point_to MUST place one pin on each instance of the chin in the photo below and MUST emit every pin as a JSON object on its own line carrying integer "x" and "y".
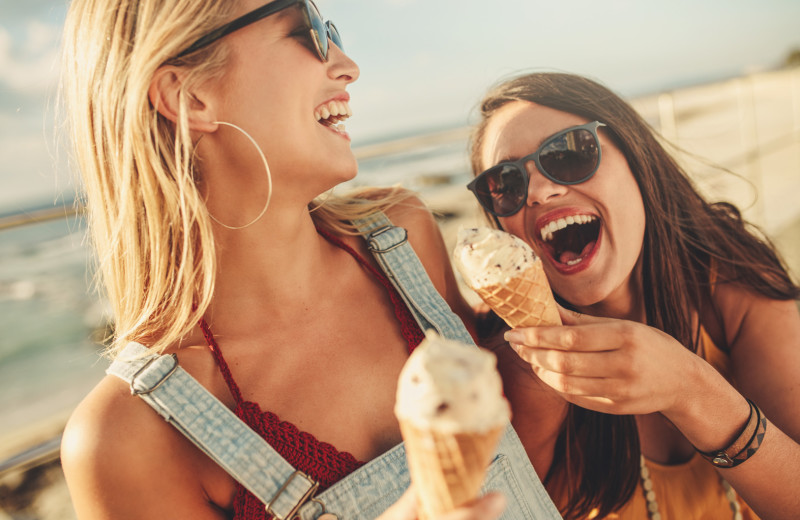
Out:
{"x": 578, "y": 296}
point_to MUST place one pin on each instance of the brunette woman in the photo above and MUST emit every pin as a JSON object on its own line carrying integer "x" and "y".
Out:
{"x": 672, "y": 389}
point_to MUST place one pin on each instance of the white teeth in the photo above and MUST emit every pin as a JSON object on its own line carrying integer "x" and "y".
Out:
{"x": 554, "y": 225}
{"x": 336, "y": 109}
{"x": 338, "y": 128}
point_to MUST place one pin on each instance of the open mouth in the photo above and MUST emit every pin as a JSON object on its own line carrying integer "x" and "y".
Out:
{"x": 569, "y": 241}
{"x": 332, "y": 113}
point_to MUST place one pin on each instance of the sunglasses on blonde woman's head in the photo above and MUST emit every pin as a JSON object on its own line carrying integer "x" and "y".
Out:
{"x": 319, "y": 30}
{"x": 571, "y": 156}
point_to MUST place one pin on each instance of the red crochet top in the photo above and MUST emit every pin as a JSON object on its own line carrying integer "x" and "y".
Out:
{"x": 320, "y": 460}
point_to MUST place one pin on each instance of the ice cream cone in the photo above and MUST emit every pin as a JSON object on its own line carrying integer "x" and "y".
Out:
{"x": 505, "y": 272}
{"x": 524, "y": 301}
{"x": 452, "y": 412}
{"x": 447, "y": 469}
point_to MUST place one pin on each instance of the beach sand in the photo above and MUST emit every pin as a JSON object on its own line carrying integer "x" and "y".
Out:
{"x": 761, "y": 141}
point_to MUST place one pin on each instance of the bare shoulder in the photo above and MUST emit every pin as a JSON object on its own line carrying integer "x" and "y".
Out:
{"x": 763, "y": 337}
{"x": 747, "y": 315}
{"x": 120, "y": 458}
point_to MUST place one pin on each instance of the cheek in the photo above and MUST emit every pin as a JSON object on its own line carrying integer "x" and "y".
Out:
{"x": 518, "y": 226}
{"x": 630, "y": 218}
{"x": 633, "y": 205}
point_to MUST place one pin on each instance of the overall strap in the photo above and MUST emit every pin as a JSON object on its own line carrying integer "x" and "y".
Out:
{"x": 212, "y": 427}
{"x": 389, "y": 244}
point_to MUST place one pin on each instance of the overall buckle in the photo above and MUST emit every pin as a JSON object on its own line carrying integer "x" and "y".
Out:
{"x": 308, "y": 494}
{"x": 146, "y": 391}
{"x": 371, "y": 245}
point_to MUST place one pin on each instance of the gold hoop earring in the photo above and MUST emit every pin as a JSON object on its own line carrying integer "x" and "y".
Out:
{"x": 269, "y": 180}
{"x": 319, "y": 205}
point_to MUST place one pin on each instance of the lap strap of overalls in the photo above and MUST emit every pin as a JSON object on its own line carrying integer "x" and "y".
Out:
{"x": 183, "y": 402}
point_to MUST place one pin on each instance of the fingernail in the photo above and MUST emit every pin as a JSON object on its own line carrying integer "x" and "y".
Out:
{"x": 512, "y": 336}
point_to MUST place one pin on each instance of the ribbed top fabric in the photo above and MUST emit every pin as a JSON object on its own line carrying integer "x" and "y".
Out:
{"x": 320, "y": 460}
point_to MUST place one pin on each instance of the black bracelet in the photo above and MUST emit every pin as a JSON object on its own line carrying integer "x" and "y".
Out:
{"x": 739, "y": 451}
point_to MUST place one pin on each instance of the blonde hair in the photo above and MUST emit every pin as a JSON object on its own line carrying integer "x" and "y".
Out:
{"x": 147, "y": 219}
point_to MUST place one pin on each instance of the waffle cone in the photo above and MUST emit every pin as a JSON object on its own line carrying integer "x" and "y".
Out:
{"x": 447, "y": 469}
{"x": 525, "y": 301}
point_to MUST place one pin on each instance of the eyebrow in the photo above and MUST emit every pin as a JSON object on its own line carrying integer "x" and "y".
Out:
{"x": 288, "y": 12}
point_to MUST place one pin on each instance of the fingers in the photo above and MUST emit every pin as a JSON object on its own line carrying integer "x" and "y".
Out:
{"x": 488, "y": 507}
{"x": 404, "y": 509}
{"x": 567, "y": 362}
{"x": 570, "y": 317}
{"x": 574, "y": 386}
{"x": 590, "y": 337}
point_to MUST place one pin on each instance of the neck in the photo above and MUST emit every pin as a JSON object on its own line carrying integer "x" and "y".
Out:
{"x": 278, "y": 260}
{"x": 626, "y": 302}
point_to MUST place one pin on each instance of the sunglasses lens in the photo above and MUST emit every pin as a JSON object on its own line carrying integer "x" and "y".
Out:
{"x": 570, "y": 158}
{"x": 333, "y": 32}
{"x": 318, "y": 30}
{"x": 501, "y": 189}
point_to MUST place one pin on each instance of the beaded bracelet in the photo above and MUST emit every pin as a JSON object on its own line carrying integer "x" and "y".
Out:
{"x": 746, "y": 444}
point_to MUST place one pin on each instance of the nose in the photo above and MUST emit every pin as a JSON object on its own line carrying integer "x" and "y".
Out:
{"x": 340, "y": 66}
{"x": 541, "y": 189}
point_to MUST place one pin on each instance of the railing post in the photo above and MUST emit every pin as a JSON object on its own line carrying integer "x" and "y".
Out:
{"x": 748, "y": 130}
{"x": 666, "y": 117}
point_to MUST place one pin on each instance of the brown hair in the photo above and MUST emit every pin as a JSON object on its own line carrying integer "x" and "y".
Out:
{"x": 684, "y": 237}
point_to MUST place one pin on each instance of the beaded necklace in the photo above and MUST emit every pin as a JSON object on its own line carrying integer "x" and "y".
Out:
{"x": 652, "y": 504}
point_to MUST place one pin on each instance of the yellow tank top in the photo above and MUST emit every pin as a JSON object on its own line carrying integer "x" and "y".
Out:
{"x": 692, "y": 490}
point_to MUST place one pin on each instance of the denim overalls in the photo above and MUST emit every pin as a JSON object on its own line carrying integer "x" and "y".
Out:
{"x": 368, "y": 491}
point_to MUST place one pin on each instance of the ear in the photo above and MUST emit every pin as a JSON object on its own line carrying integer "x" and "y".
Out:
{"x": 164, "y": 94}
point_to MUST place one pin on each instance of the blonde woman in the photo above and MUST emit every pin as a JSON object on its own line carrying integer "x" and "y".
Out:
{"x": 205, "y": 132}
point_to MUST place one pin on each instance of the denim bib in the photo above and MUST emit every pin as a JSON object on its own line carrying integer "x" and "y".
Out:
{"x": 372, "y": 488}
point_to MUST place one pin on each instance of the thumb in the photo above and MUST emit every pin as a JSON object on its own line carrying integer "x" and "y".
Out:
{"x": 404, "y": 509}
{"x": 570, "y": 317}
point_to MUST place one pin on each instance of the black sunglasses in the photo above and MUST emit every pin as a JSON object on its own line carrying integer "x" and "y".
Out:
{"x": 320, "y": 30}
{"x": 568, "y": 157}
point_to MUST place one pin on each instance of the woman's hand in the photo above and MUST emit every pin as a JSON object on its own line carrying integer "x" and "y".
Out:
{"x": 487, "y": 507}
{"x": 608, "y": 365}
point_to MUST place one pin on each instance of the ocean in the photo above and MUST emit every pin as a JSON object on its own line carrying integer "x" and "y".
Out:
{"x": 48, "y": 317}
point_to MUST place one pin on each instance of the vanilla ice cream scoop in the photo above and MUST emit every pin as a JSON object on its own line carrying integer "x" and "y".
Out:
{"x": 486, "y": 256}
{"x": 505, "y": 272}
{"x": 451, "y": 387}
{"x": 452, "y": 414}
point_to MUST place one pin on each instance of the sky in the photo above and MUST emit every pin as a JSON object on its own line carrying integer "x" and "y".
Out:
{"x": 425, "y": 63}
